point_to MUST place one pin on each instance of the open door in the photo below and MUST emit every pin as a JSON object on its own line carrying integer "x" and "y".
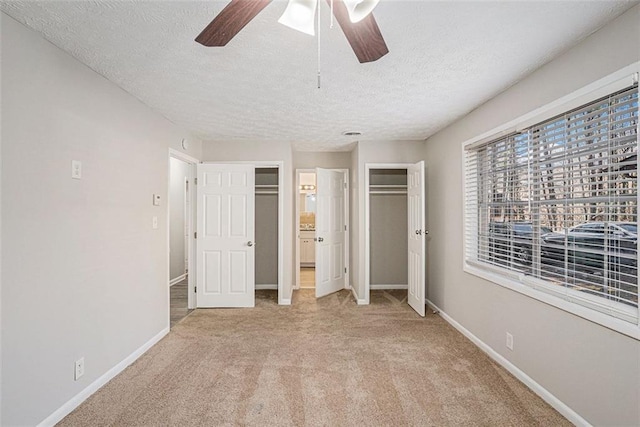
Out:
{"x": 226, "y": 232}
{"x": 330, "y": 231}
{"x": 415, "y": 200}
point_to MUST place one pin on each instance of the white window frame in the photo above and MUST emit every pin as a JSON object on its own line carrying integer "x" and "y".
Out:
{"x": 518, "y": 282}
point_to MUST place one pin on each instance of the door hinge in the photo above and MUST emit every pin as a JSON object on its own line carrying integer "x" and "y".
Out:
{"x": 345, "y": 185}
{"x": 195, "y": 234}
{"x": 195, "y": 289}
{"x": 345, "y": 227}
{"x": 345, "y": 269}
{"x": 195, "y": 181}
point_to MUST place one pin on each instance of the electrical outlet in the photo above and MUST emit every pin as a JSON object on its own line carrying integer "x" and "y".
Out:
{"x": 79, "y": 369}
{"x": 509, "y": 341}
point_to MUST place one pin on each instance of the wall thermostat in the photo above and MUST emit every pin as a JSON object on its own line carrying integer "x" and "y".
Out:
{"x": 156, "y": 200}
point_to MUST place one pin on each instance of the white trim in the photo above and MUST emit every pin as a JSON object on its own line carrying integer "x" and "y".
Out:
{"x": 538, "y": 389}
{"x": 264, "y": 287}
{"x": 192, "y": 221}
{"x": 182, "y": 156}
{"x": 76, "y": 400}
{"x": 286, "y": 301}
{"x": 296, "y": 224}
{"x": 613, "y": 82}
{"x": 391, "y": 286}
{"x": 602, "y": 319}
{"x": 536, "y": 289}
{"x": 358, "y": 300}
{"x": 177, "y": 279}
{"x": 347, "y": 234}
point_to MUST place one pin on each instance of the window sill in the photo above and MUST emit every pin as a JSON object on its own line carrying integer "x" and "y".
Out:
{"x": 507, "y": 279}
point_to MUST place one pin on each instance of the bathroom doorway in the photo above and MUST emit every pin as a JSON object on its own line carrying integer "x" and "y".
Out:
{"x": 306, "y": 218}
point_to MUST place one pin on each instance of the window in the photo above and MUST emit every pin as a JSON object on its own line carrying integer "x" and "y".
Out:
{"x": 554, "y": 207}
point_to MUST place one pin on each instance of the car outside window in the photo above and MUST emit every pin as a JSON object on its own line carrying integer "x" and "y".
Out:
{"x": 554, "y": 206}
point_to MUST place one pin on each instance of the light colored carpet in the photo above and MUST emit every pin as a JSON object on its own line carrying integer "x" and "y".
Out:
{"x": 325, "y": 362}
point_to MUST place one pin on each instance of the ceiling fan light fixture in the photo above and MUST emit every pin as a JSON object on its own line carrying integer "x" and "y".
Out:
{"x": 300, "y": 15}
{"x": 360, "y": 9}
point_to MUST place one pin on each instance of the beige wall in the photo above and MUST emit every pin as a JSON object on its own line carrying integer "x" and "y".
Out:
{"x": 322, "y": 159}
{"x": 389, "y": 255}
{"x": 593, "y": 370}
{"x": 266, "y": 239}
{"x": 84, "y": 274}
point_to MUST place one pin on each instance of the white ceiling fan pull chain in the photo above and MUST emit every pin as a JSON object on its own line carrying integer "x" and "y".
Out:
{"x": 318, "y": 13}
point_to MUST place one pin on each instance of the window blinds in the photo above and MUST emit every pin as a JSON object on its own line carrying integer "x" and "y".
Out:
{"x": 555, "y": 205}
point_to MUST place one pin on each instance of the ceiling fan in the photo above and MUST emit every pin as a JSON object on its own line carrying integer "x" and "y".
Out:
{"x": 353, "y": 16}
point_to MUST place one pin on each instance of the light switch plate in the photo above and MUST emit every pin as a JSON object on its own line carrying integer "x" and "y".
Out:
{"x": 76, "y": 169}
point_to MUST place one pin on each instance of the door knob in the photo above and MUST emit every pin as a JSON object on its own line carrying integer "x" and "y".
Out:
{"x": 250, "y": 243}
{"x": 320, "y": 239}
{"x": 426, "y": 232}
{"x": 418, "y": 231}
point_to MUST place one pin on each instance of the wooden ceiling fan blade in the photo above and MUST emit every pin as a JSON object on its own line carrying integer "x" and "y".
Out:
{"x": 230, "y": 21}
{"x": 364, "y": 36}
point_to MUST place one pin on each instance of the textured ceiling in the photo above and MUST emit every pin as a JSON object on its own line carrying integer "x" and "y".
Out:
{"x": 445, "y": 59}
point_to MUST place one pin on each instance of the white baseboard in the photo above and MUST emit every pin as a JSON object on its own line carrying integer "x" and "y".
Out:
{"x": 177, "y": 279}
{"x": 545, "y": 394}
{"x": 75, "y": 401}
{"x": 283, "y": 300}
{"x": 383, "y": 287}
{"x": 266, "y": 287}
{"x": 358, "y": 300}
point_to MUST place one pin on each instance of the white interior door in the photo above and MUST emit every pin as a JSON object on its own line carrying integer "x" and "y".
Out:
{"x": 330, "y": 231}
{"x": 226, "y": 232}
{"x": 415, "y": 201}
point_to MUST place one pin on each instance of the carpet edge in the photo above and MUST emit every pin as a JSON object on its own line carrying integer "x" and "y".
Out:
{"x": 537, "y": 388}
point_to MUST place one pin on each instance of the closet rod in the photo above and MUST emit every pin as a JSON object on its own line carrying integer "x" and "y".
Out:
{"x": 387, "y": 192}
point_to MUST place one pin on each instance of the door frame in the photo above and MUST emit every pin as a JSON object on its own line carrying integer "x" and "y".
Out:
{"x": 274, "y": 164}
{"x": 296, "y": 224}
{"x": 191, "y": 220}
{"x": 296, "y": 231}
{"x": 367, "y": 215}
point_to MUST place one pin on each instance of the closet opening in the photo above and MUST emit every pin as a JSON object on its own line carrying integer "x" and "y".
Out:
{"x": 240, "y": 242}
{"x": 266, "y": 228}
{"x": 395, "y": 234}
{"x": 388, "y": 230}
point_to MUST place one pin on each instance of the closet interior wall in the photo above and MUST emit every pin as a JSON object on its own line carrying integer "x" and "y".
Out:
{"x": 388, "y": 228}
{"x": 266, "y": 222}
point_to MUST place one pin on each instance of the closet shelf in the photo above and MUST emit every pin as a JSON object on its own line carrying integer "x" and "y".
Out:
{"x": 389, "y": 192}
{"x": 266, "y": 189}
{"x": 387, "y": 189}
